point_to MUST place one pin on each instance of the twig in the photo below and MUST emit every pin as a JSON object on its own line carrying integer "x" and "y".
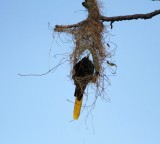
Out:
{"x": 60, "y": 28}
{"x": 130, "y": 17}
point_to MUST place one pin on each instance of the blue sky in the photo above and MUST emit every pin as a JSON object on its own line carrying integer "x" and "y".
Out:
{"x": 35, "y": 110}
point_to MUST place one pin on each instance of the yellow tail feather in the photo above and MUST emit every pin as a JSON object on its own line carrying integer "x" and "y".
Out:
{"x": 77, "y": 108}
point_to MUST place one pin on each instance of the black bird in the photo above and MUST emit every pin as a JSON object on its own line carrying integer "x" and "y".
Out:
{"x": 84, "y": 71}
{"x": 83, "y": 74}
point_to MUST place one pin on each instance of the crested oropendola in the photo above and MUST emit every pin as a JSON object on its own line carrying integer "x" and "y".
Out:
{"x": 82, "y": 74}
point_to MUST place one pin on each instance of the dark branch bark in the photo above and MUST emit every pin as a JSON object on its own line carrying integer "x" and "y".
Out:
{"x": 60, "y": 28}
{"x": 94, "y": 14}
{"x": 130, "y": 17}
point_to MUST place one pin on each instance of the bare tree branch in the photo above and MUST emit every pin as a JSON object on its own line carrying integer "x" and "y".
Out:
{"x": 60, "y": 28}
{"x": 130, "y": 17}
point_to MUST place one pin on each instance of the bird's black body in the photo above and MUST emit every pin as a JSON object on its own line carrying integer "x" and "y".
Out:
{"x": 83, "y": 72}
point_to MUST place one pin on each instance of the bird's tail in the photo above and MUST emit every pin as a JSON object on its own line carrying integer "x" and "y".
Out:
{"x": 77, "y": 108}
